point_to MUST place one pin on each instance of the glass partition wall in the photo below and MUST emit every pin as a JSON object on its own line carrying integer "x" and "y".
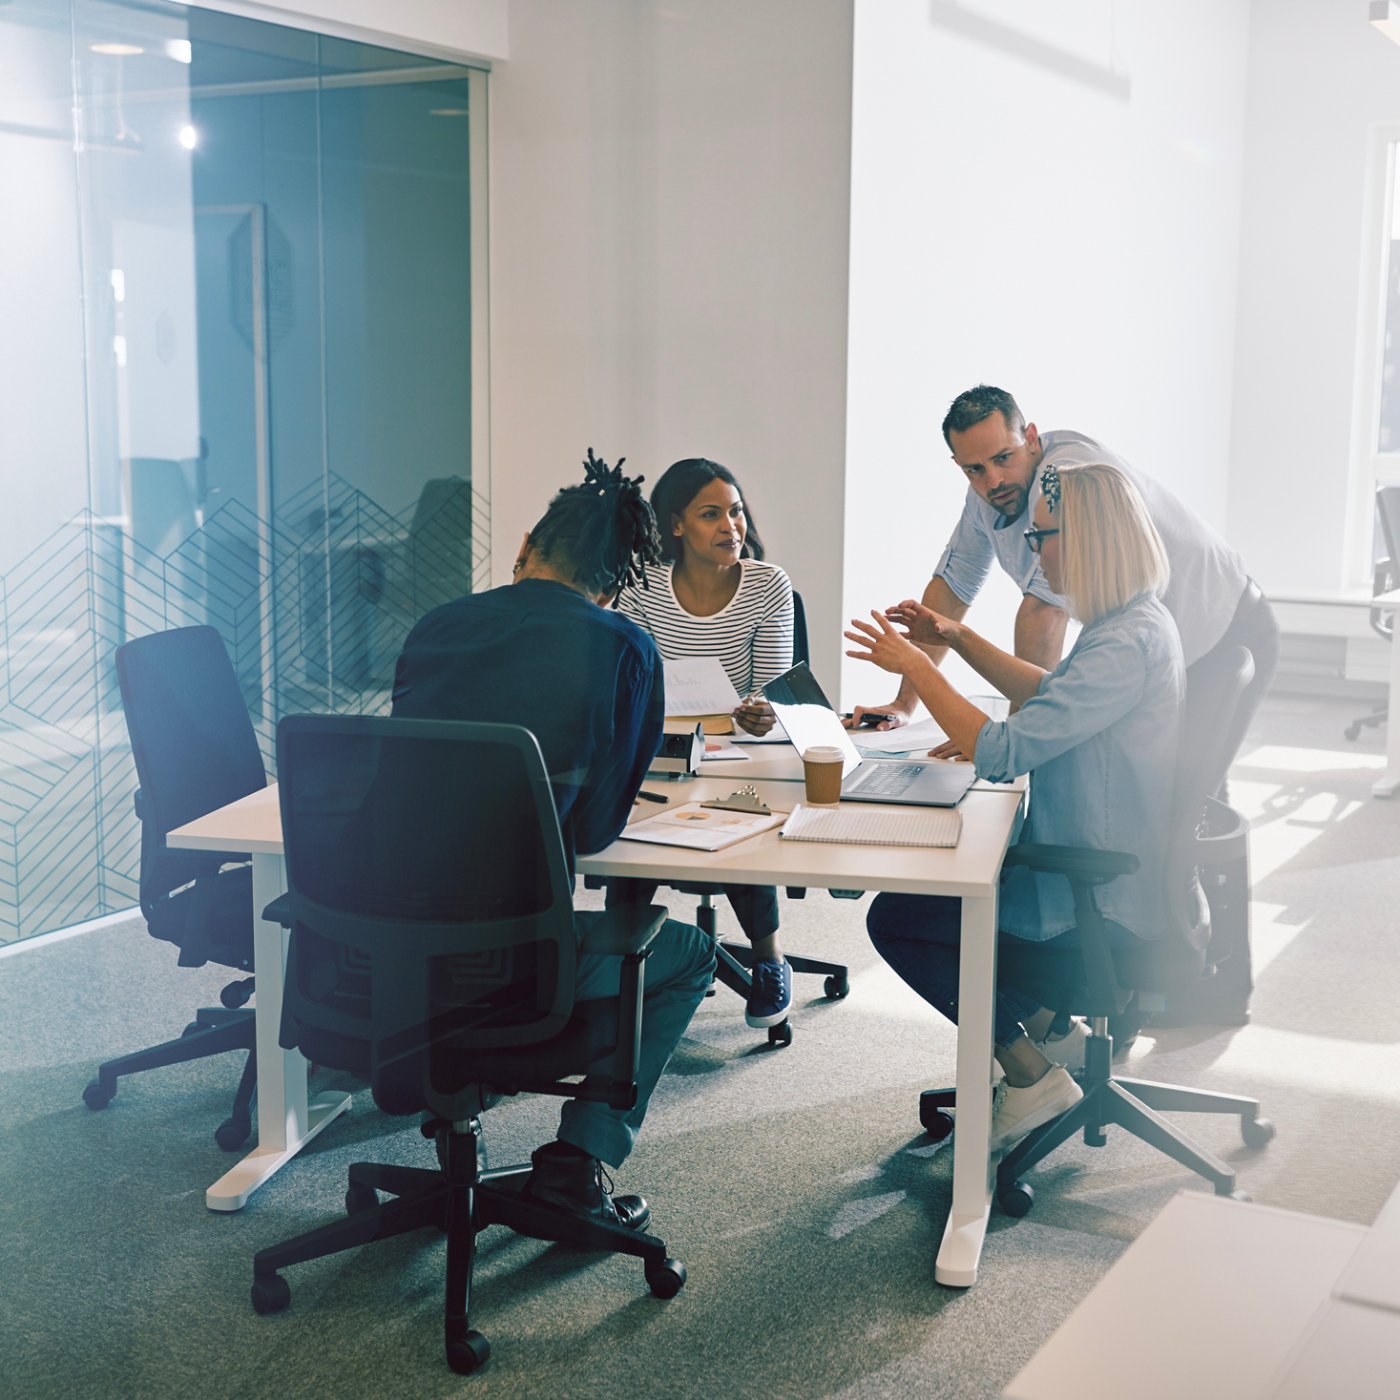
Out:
{"x": 237, "y": 272}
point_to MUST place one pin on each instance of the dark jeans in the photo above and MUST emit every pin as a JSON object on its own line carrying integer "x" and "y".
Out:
{"x": 1253, "y": 626}
{"x": 919, "y": 935}
{"x": 678, "y": 972}
{"x": 755, "y": 906}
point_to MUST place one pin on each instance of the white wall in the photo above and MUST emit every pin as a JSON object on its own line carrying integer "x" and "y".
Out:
{"x": 43, "y": 453}
{"x": 669, "y": 214}
{"x": 1047, "y": 198}
{"x": 442, "y": 28}
{"x": 1320, "y": 77}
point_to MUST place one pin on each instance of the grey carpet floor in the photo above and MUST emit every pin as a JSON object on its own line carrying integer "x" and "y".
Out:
{"x": 796, "y": 1185}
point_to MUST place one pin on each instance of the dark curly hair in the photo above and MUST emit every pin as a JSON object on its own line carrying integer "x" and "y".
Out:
{"x": 680, "y": 484}
{"x": 601, "y": 533}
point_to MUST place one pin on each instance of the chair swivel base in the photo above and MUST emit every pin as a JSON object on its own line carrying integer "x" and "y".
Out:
{"x": 1132, "y": 1104}
{"x": 214, "y": 1030}
{"x": 460, "y": 1202}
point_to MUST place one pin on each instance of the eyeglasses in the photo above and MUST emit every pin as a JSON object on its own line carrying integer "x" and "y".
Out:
{"x": 1034, "y": 538}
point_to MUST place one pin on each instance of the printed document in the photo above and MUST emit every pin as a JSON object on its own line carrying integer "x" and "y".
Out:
{"x": 698, "y": 686}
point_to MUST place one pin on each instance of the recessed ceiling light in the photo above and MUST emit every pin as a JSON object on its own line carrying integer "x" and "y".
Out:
{"x": 449, "y": 112}
{"x": 118, "y": 50}
{"x": 188, "y": 137}
{"x": 180, "y": 50}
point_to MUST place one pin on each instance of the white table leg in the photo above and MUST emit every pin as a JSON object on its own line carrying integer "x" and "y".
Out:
{"x": 972, "y": 1169}
{"x": 286, "y": 1121}
{"x": 1389, "y": 781}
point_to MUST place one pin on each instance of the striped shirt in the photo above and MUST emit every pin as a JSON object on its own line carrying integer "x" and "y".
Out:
{"x": 751, "y": 635}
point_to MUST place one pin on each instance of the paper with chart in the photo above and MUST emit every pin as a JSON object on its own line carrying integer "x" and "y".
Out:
{"x": 700, "y": 828}
{"x": 698, "y": 686}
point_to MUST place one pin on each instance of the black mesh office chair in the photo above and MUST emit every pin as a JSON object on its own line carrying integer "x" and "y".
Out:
{"x": 194, "y": 749}
{"x": 1091, "y": 977}
{"x": 433, "y": 952}
{"x": 1385, "y": 576}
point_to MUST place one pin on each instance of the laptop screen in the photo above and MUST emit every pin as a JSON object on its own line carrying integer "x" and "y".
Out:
{"x": 807, "y": 715}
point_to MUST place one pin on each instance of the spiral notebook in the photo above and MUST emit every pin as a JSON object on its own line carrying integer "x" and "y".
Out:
{"x": 869, "y": 826}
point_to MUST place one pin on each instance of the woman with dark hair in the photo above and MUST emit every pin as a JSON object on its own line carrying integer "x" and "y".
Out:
{"x": 716, "y": 596}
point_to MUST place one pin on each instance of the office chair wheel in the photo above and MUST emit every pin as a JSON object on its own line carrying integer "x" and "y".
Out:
{"x": 1016, "y": 1199}
{"x": 469, "y": 1353}
{"x": 666, "y": 1279}
{"x": 1353, "y": 731}
{"x": 937, "y": 1121}
{"x": 837, "y": 986}
{"x": 236, "y": 994}
{"x": 1257, "y": 1132}
{"x": 233, "y": 1132}
{"x": 270, "y": 1294}
{"x": 98, "y": 1095}
{"x": 359, "y": 1197}
{"x": 780, "y": 1035}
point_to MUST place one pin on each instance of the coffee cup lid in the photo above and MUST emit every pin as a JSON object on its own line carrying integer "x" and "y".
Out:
{"x": 823, "y": 753}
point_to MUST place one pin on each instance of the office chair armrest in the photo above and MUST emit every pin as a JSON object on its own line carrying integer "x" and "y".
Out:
{"x": 623, "y": 930}
{"x": 279, "y": 911}
{"x": 1078, "y": 864}
{"x": 629, "y": 928}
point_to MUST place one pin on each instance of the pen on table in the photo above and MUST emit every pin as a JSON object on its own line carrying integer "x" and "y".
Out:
{"x": 645, "y": 796}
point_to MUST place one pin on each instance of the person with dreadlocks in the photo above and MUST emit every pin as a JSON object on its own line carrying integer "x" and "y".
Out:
{"x": 717, "y": 596}
{"x": 548, "y": 652}
{"x": 1099, "y": 736}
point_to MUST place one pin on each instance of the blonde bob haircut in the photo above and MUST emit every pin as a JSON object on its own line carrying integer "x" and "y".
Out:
{"x": 1110, "y": 550}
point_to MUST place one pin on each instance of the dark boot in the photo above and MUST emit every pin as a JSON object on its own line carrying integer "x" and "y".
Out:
{"x": 561, "y": 1175}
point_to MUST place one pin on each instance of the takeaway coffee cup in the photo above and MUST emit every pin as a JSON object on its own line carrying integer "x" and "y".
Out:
{"x": 821, "y": 770}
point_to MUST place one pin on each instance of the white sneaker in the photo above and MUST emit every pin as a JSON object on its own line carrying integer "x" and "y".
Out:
{"x": 1016, "y": 1111}
{"x": 1068, "y": 1049}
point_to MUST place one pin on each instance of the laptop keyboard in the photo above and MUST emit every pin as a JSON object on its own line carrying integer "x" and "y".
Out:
{"x": 886, "y": 779}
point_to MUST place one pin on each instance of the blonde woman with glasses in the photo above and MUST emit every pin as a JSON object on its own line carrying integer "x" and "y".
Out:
{"x": 1098, "y": 735}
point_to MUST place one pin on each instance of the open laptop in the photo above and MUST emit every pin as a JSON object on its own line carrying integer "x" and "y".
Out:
{"x": 807, "y": 716}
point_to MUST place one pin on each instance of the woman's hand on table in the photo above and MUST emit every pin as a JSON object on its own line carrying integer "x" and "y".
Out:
{"x": 948, "y": 750}
{"x": 755, "y": 716}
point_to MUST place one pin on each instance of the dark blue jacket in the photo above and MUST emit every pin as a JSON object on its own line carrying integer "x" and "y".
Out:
{"x": 583, "y": 679}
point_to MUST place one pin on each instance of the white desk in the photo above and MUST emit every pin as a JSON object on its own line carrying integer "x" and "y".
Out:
{"x": 1389, "y": 782}
{"x": 1226, "y": 1300}
{"x": 1207, "y": 1302}
{"x": 287, "y": 1120}
{"x": 969, "y": 871}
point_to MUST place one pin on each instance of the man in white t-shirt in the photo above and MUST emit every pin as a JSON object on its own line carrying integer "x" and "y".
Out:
{"x": 1211, "y": 597}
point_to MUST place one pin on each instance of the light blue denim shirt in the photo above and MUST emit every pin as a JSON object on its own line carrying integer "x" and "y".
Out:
{"x": 1099, "y": 739}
